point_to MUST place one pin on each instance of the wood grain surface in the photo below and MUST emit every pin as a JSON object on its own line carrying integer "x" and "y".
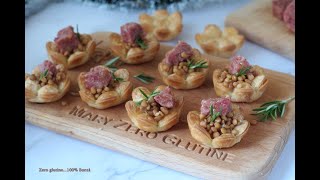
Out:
{"x": 256, "y": 22}
{"x": 252, "y": 158}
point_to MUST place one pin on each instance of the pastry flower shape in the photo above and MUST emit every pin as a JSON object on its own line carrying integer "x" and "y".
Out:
{"x": 47, "y": 83}
{"x": 101, "y": 88}
{"x": 240, "y": 81}
{"x": 222, "y": 44}
{"x": 71, "y": 49}
{"x": 133, "y": 45}
{"x": 154, "y": 111}
{"x": 219, "y": 124}
{"x": 163, "y": 26}
{"x": 183, "y": 67}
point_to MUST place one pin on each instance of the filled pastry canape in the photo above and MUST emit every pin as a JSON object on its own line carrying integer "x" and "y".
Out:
{"x": 183, "y": 67}
{"x": 222, "y": 44}
{"x": 219, "y": 124}
{"x": 101, "y": 88}
{"x": 240, "y": 81}
{"x": 47, "y": 83}
{"x": 154, "y": 111}
{"x": 163, "y": 25}
{"x": 133, "y": 45}
{"x": 71, "y": 48}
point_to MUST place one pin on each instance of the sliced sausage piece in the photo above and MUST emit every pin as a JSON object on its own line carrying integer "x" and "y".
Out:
{"x": 48, "y": 65}
{"x": 175, "y": 56}
{"x": 222, "y": 105}
{"x": 165, "y": 98}
{"x": 130, "y": 32}
{"x": 97, "y": 77}
{"x": 289, "y": 16}
{"x": 66, "y": 40}
{"x": 278, "y": 7}
{"x": 237, "y": 63}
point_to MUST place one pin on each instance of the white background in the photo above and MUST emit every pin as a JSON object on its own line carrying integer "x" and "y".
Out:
{"x": 46, "y": 149}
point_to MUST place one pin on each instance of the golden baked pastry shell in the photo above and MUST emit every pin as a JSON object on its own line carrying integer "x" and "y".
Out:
{"x": 247, "y": 92}
{"x": 110, "y": 98}
{"x": 223, "y": 141}
{"x": 141, "y": 120}
{"x": 134, "y": 55}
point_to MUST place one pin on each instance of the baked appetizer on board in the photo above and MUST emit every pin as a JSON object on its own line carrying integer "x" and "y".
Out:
{"x": 154, "y": 111}
{"x": 219, "y": 124}
{"x": 217, "y": 43}
{"x": 162, "y": 25}
{"x": 183, "y": 67}
{"x": 133, "y": 45}
{"x": 240, "y": 81}
{"x": 101, "y": 88}
{"x": 47, "y": 83}
{"x": 71, "y": 48}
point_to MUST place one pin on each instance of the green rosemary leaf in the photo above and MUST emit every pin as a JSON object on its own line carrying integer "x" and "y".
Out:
{"x": 138, "y": 102}
{"x": 243, "y": 71}
{"x": 44, "y": 74}
{"x": 272, "y": 109}
{"x": 144, "y": 78}
{"x": 144, "y": 94}
{"x": 110, "y": 63}
{"x": 283, "y": 109}
{"x": 78, "y": 34}
{"x": 141, "y": 43}
{"x": 200, "y": 64}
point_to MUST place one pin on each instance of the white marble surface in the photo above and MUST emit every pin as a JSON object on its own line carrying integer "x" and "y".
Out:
{"x": 46, "y": 149}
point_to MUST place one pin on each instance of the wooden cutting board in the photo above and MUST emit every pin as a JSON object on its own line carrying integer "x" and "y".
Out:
{"x": 256, "y": 22}
{"x": 252, "y": 158}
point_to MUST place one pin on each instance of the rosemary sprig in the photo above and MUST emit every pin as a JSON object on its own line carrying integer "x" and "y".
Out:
{"x": 200, "y": 64}
{"x": 141, "y": 43}
{"x": 272, "y": 109}
{"x": 44, "y": 74}
{"x": 144, "y": 78}
{"x": 78, "y": 34}
{"x": 117, "y": 78}
{"x": 111, "y": 62}
{"x": 213, "y": 114}
{"x": 243, "y": 71}
{"x": 153, "y": 93}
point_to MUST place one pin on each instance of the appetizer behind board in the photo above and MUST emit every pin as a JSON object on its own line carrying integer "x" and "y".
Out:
{"x": 162, "y": 25}
{"x": 219, "y": 43}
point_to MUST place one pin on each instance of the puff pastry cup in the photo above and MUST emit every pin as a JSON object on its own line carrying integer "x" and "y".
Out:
{"x": 101, "y": 88}
{"x": 162, "y": 25}
{"x": 157, "y": 113}
{"x": 179, "y": 67}
{"x": 71, "y": 49}
{"x": 219, "y": 43}
{"x": 224, "y": 132}
{"x": 133, "y": 45}
{"x": 47, "y": 83}
{"x": 247, "y": 87}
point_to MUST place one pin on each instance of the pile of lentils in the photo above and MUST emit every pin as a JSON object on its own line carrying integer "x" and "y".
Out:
{"x": 153, "y": 109}
{"x": 231, "y": 81}
{"x": 182, "y": 68}
{"x": 221, "y": 125}
{"x": 49, "y": 79}
{"x": 96, "y": 92}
